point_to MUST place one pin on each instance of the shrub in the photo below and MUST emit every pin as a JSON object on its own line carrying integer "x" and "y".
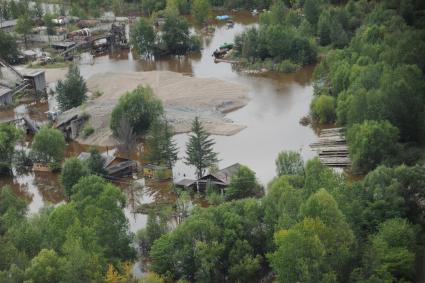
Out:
{"x": 371, "y": 143}
{"x": 323, "y": 109}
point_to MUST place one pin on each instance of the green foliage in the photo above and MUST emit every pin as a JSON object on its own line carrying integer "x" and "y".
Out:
{"x": 140, "y": 107}
{"x": 243, "y": 184}
{"x": 96, "y": 162}
{"x": 323, "y": 109}
{"x": 150, "y": 6}
{"x": 176, "y": 37}
{"x": 371, "y": 143}
{"x": 9, "y": 136}
{"x": 276, "y": 42}
{"x": 8, "y": 47}
{"x": 73, "y": 242}
{"x": 48, "y": 146}
{"x": 312, "y": 11}
{"x": 200, "y": 10}
{"x": 44, "y": 267}
{"x": 48, "y": 22}
{"x": 143, "y": 37}
{"x": 73, "y": 170}
{"x": 390, "y": 254}
{"x": 87, "y": 130}
{"x": 213, "y": 243}
{"x": 199, "y": 149}
{"x": 24, "y": 26}
{"x": 97, "y": 203}
{"x": 289, "y": 163}
{"x": 162, "y": 147}
{"x": 156, "y": 227}
{"x": 71, "y": 91}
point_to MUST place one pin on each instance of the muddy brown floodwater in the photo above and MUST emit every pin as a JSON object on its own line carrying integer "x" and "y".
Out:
{"x": 277, "y": 102}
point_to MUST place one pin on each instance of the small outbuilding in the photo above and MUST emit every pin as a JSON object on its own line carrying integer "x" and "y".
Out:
{"x": 37, "y": 80}
{"x": 6, "y": 96}
{"x": 8, "y": 26}
{"x": 220, "y": 179}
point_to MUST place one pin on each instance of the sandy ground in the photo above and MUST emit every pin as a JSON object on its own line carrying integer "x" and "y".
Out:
{"x": 183, "y": 98}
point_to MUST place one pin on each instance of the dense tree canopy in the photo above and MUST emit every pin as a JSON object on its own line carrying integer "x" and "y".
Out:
{"x": 48, "y": 146}
{"x": 8, "y": 47}
{"x": 140, "y": 107}
{"x": 9, "y": 136}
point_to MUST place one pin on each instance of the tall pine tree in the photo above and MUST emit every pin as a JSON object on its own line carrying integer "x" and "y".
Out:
{"x": 72, "y": 91}
{"x": 162, "y": 147}
{"x": 199, "y": 149}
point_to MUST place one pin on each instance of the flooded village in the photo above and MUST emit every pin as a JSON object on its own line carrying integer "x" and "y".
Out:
{"x": 253, "y": 119}
{"x": 234, "y": 106}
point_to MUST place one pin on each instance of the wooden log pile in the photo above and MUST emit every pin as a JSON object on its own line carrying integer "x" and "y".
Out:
{"x": 332, "y": 147}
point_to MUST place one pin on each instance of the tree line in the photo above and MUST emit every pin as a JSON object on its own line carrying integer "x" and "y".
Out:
{"x": 375, "y": 85}
{"x": 314, "y": 225}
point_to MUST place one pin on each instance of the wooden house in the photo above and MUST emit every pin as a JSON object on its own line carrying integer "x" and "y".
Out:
{"x": 37, "y": 80}
{"x": 220, "y": 179}
{"x": 70, "y": 123}
{"x": 6, "y": 96}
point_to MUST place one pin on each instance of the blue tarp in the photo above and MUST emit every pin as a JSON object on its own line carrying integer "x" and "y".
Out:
{"x": 223, "y": 17}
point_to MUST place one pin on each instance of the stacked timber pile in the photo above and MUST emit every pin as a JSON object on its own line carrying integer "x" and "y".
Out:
{"x": 332, "y": 147}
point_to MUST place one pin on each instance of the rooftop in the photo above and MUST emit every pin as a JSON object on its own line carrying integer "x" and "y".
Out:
{"x": 4, "y": 90}
{"x": 9, "y": 23}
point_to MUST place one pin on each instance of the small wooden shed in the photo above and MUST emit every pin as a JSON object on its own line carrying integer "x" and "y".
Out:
{"x": 37, "y": 80}
{"x": 6, "y": 96}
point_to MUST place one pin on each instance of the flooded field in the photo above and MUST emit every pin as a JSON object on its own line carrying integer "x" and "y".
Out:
{"x": 271, "y": 117}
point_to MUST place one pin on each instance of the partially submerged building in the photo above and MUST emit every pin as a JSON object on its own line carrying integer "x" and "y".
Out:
{"x": 6, "y": 96}
{"x": 8, "y": 26}
{"x": 219, "y": 180}
{"x": 37, "y": 80}
{"x": 114, "y": 166}
{"x": 70, "y": 123}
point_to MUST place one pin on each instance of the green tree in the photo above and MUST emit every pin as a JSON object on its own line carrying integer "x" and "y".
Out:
{"x": 199, "y": 149}
{"x": 72, "y": 91}
{"x": 324, "y": 28}
{"x": 289, "y": 163}
{"x": 176, "y": 36}
{"x": 299, "y": 255}
{"x": 8, "y": 47}
{"x": 200, "y": 10}
{"x": 390, "y": 254}
{"x": 140, "y": 107}
{"x": 338, "y": 240}
{"x": 24, "y": 26}
{"x": 371, "y": 143}
{"x": 162, "y": 147}
{"x": 97, "y": 202}
{"x": 96, "y": 162}
{"x": 44, "y": 267}
{"x": 48, "y": 22}
{"x": 73, "y": 170}
{"x": 323, "y": 109}
{"x": 243, "y": 184}
{"x": 143, "y": 38}
{"x": 312, "y": 11}
{"x": 48, "y": 146}
{"x": 9, "y": 136}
